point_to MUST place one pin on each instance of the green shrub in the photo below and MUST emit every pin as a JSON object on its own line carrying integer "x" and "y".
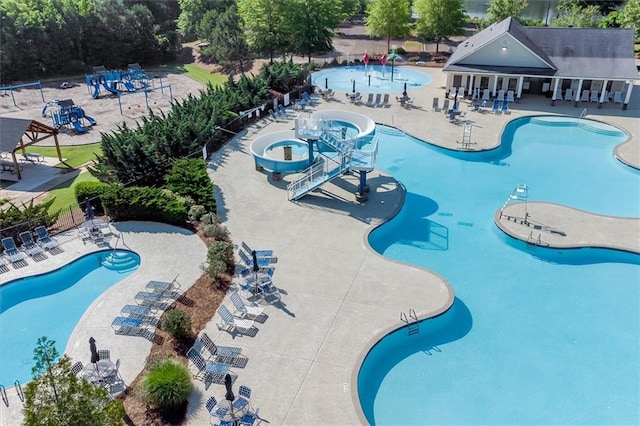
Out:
{"x": 144, "y": 203}
{"x": 189, "y": 177}
{"x": 216, "y": 230}
{"x": 208, "y": 219}
{"x": 177, "y": 323}
{"x": 168, "y": 385}
{"x": 92, "y": 191}
{"x": 196, "y": 212}
{"x": 219, "y": 257}
{"x": 215, "y": 268}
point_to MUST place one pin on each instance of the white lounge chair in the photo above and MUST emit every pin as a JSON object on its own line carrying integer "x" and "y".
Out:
{"x": 606, "y": 97}
{"x": 617, "y": 97}
{"x": 435, "y": 106}
{"x": 594, "y": 96}
{"x": 11, "y": 251}
{"x": 545, "y": 87}
{"x": 378, "y": 101}
{"x": 369, "y": 102}
{"x": 246, "y": 309}
{"x": 233, "y": 323}
{"x": 44, "y": 239}
{"x": 568, "y": 95}
{"x": 500, "y": 96}
{"x": 486, "y": 94}
{"x": 510, "y": 96}
{"x": 208, "y": 370}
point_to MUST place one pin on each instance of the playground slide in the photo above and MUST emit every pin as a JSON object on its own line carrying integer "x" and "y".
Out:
{"x": 129, "y": 86}
{"x": 79, "y": 128}
{"x": 96, "y": 91}
{"x": 110, "y": 89}
{"x": 91, "y": 120}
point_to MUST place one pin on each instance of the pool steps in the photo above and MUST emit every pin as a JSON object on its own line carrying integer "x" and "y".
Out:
{"x": 119, "y": 261}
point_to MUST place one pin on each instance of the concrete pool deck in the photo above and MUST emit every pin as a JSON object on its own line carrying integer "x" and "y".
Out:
{"x": 337, "y": 296}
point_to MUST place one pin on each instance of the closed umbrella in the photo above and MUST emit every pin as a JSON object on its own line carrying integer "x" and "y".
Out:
{"x": 229, "y": 396}
{"x": 256, "y": 268}
{"x": 94, "y": 352}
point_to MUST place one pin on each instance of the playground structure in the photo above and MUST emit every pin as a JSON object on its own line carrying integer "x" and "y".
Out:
{"x": 336, "y": 142}
{"x": 65, "y": 113}
{"x": 117, "y": 81}
{"x": 11, "y": 89}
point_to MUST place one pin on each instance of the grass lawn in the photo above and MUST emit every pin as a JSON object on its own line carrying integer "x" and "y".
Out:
{"x": 412, "y": 46}
{"x": 76, "y": 155}
{"x": 64, "y": 192}
{"x": 203, "y": 75}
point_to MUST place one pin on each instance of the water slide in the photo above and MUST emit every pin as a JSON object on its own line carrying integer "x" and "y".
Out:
{"x": 96, "y": 90}
{"x": 90, "y": 119}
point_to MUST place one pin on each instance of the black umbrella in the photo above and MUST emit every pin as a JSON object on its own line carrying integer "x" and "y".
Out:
{"x": 229, "y": 396}
{"x": 404, "y": 93}
{"x": 94, "y": 352}
{"x": 256, "y": 268}
{"x": 88, "y": 209}
{"x": 354, "y": 85}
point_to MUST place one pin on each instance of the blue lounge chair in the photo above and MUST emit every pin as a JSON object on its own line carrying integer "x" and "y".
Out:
{"x": 505, "y": 107}
{"x": 29, "y": 245}
{"x": 259, "y": 253}
{"x": 131, "y": 327}
{"x": 262, "y": 261}
{"x": 11, "y": 251}
{"x": 44, "y": 239}
{"x": 496, "y": 105}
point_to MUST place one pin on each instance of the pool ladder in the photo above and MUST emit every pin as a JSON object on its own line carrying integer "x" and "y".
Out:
{"x": 520, "y": 193}
{"x": 413, "y": 326}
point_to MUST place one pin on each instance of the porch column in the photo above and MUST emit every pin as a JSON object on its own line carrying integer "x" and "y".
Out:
{"x": 471, "y": 81}
{"x": 628, "y": 97}
{"x": 495, "y": 85}
{"x": 555, "y": 91}
{"x": 603, "y": 94}
{"x": 578, "y": 92}
{"x": 520, "y": 84}
{"x": 448, "y": 85}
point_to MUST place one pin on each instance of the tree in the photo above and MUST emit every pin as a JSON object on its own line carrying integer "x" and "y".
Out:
{"x": 629, "y": 16}
{"x": 227, "y": 40}
{"x": 57, "y": 397}
{"x": 571, "y": 13}
{"x": 388, "y": 18}
{"x": 438, "y": 19}
{"x": 310, "y": 25}
{"x": 502, "y": 9}
{"x": 191, "y": 13}
{"x": 263, "y": 21}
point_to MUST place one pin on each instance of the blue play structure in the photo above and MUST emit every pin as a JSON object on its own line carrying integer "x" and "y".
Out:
{"x": 65, "y": 113}
{"x": 115, "y": 82}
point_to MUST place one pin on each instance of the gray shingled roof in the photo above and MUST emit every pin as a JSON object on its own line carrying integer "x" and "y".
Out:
{"x": 575, "y": 52}
{"x": 11, "y": 130}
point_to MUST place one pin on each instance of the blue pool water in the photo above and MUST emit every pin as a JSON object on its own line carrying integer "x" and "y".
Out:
{"x": 51, "y": 305}
{"x": 341, "y": 79}
{"x": 534, "y": 336}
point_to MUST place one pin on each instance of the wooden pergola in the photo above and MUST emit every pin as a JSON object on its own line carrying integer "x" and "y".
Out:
{"x": 16, "y": 134}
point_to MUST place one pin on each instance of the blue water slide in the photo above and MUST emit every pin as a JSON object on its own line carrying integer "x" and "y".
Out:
{"x": 79, "y": 128}
{"x": 96, "y": 90}
{"x": 91, "y": 120}
{"x": 130, "y": 87}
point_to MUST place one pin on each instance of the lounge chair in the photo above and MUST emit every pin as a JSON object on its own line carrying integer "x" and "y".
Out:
{"x": 163, "y": 287}
{"x": 500, "y": 96}
{"x": 385, "y": 101}
{"x": 505, "y": 107}
{"x": 594, "y": 96}
{"x": 131, "y": 327}
{"x": 617, "y": 97}
{"x": 29, "y": 245}
{"x": 44, "y": 239}
{"x": 568, "y": 95}
{"x": 245, "y": 309}
{"x": 230, "y": 322}
{"x": 370, "y": 102}
{"x": 273, "y": 115}
{"x": 378, "y": 101}
{"x": 408, "y": 103}
{"x": 435, "y": 105}
{"x": 445, "y": 106}
{"x": 225, "y": 354}
{"x": 136, "y": 311}
{"x": 208, "y": 370}
{"x": 546, "y": 87}
{"x": 247, "y": 258}
{"x": 496, "y": 105}
{"x": 606, "y": 97}
{"x": 259, "y": 253}
{"x": 77, "y": 368}
{"x": 584, "y": 96}
{"x": 510, "y": 96}
{"x": 486, "y": 95}
{"x": 453, "y": 92}
{"x": 11, "y": 251}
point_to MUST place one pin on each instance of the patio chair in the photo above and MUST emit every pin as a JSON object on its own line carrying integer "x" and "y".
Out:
{"x": 250, "y": 418}
{"x": 510, "y": 96}
{"x": 243, "y": 399}
{"x": 245, "y": 309}
{"x": 44, "y": 239}
{"x": 594, "y": 96}
{"x": 214, "y": 409}
{"x": 207, "y": 370}
{"x": 259, "y": 253}
{"x": 378, "y": 101}
{"x": 231, "y": 322}
{"x": 369, "y": 102}
{"x": 435, "y": 105}
{"x": 131, "y": 327}
{"x": 77, "y": 368}
{"x": 104, "y": 354}
{"x": 617, "y": 97}
{"x": 29, "y": 245}
{"x": 486, "y": 94}
{"x": 11, "y": 251}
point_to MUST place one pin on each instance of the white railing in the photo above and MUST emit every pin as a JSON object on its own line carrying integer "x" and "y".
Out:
{"x": 321, "y": 172}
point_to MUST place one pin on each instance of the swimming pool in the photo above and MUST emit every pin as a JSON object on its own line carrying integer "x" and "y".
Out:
{"x": 341, "y": 79}
{"x": 534, "y": 336}
{"x": 51, "y": 305}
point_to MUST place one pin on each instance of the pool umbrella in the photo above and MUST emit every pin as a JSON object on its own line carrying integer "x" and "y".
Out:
{"x": 94, "y": 352}
{"x": 229, "y": 396}
{"x": 404, "y": 93}
{"x": 354, "y": 85}
{"x": 256, "y": 268}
